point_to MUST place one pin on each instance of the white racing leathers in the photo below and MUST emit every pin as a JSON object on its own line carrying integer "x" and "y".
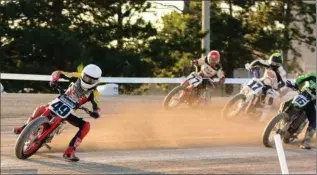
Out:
{"x": 209, "y": 71}
{"x": 274, "y": 78}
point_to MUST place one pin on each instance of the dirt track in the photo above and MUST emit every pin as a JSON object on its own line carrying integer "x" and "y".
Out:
{"x": 135, "y": 135}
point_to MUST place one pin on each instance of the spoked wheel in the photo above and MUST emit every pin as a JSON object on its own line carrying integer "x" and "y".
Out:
{"x": 274, "y": 127}
{"x": 27, "y": 143}
{"x": 32, "y": 144}
{"x": 173, "y": 98}
{"x": 233, "y": 107}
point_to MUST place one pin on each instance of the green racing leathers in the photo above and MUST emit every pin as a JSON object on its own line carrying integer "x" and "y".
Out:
{"x": 302, "y": 82}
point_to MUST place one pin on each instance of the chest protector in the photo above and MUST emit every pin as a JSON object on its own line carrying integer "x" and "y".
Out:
{"x": 208, "y": 71}
{"x": 270, "y": 78}
{"x": 77, "y": 93}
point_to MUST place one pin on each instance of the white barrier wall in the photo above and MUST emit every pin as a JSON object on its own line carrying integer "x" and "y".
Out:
{"x": 1, "y": 88}
{"x": 34, "y": 77}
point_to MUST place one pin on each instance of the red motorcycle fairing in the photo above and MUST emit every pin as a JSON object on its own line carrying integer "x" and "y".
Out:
{"x": 52, "y": 127}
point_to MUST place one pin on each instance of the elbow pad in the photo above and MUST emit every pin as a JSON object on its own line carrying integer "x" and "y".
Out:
{"x": 56, "y": 75}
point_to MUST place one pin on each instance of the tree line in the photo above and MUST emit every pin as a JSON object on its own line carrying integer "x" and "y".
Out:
{"x": 40, "y": 36}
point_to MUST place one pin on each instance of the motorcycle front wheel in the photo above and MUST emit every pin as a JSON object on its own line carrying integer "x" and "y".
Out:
{"x": 172, "y": 99}
{"x": 229, "y": 113}
{"x": 26, "y": 144}
{"x": 273, "y": 127}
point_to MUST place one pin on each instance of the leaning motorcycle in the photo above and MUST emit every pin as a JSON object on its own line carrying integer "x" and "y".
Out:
{"x": 250, "y": 99}
{"x": 40, "y": 131}
{"x": 191, "y": 92}
{"x": 291, "y": 118}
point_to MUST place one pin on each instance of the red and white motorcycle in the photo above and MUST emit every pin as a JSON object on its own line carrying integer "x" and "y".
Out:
{"x": 41, "y": 130}
{"x": 191, "y": 91}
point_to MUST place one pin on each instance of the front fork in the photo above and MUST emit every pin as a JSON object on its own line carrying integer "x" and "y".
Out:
{"x": 56, "y": 122}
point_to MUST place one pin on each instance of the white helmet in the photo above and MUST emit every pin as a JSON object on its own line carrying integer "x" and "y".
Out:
{"x": 90, "y": 76}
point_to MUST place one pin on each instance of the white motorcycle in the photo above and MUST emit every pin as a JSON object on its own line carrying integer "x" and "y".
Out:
{"x": 251, "y": 99}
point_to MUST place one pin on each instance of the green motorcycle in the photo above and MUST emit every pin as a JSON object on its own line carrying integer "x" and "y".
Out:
{"x": 291, "y": 118}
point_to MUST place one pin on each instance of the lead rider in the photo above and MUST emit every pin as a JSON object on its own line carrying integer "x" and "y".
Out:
{"x": 82, "y": 91}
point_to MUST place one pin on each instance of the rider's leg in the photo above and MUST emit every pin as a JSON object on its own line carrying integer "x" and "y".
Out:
{"x": 311, "y": 129}
{"x": 84, "y": 128}
{"x": 36, "y": 113}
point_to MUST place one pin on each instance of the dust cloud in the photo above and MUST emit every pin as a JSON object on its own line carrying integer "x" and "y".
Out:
{"x": 147, "y": 125}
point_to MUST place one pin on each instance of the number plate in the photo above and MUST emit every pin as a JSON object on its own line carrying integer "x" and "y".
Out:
{"x": 194, "y": 79}
{"x": 68, "y": 101}
{"x": 60, "y": 108}
{"x": 256, "y": 86}
{"x": 300, "y": 100}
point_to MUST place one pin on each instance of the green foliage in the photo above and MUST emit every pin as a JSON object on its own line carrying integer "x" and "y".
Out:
{"x": 240, "y": 35}
{"x": 40, "y": 36}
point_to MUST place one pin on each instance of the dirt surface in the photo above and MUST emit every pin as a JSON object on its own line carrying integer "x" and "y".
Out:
{"x": 135, "y": 135}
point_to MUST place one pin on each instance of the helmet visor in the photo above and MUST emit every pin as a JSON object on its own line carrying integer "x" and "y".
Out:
{"x": 89, "y": 80}
{"x": 276, "y": 60}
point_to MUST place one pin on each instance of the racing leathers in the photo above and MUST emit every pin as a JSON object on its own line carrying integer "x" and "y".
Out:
{"x": 274, "y": 78}
{"x": 211, "y": 71}
{"x": 208, "y": 70}
{"x": 80, "y": 96}
{"x": 310, "y": 108}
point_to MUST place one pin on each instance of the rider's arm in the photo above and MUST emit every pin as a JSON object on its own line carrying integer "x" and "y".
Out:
{"x": 259, "y": 62}
{"x": 56, "y": 75}
{"x": 93, "y": 99}
{"x": 220, "y": 75}
{"x": 281, "y": 77}
{"x": 201, "y": 61}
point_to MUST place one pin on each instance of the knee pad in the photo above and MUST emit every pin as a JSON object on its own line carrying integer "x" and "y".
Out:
{"x": 38, "y": 111}
{"x": 84, "y": 130}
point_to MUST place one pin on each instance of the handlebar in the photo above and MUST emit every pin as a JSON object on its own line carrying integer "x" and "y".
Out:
{"x": 85, "y": 109}
{"x": 212, "y": 82}
{"x": 60, "y": 89}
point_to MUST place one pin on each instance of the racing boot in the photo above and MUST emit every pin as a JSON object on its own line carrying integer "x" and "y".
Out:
{"x": 306, "y": 144}
{"x": 18, "y": 130}
{"x": 37, "y": 112}
{"x": 69, "y": 155}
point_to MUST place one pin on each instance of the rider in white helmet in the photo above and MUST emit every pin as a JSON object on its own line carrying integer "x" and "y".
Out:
{"x": 82, "y": 91}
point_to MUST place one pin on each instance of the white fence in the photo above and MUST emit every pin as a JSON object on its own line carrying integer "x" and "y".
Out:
{"x": 35, "y": 77}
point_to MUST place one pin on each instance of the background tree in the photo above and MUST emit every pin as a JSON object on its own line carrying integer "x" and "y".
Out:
{"x": 56, "y": 34}
{"x": 40, "y": 36}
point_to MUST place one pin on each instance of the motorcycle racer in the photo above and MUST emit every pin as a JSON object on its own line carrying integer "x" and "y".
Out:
{"x": 210, "y": 67}
{"x": 82, "y": 91}
{"x": 311, "y": 106}
{"x": 274, "y": 77}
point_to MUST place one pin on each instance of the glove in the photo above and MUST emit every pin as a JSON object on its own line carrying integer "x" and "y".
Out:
{"x": 247, "y": 66}
{"x": 53, "y": 84}
{"x": 194, "y": 62}
{"x": 290, "y": 84}
{"x": 94, "y": 114}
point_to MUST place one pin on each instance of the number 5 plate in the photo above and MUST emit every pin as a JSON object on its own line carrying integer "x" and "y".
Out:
{"x": 194, "y": 79}
{"x": 60, "y": 108}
